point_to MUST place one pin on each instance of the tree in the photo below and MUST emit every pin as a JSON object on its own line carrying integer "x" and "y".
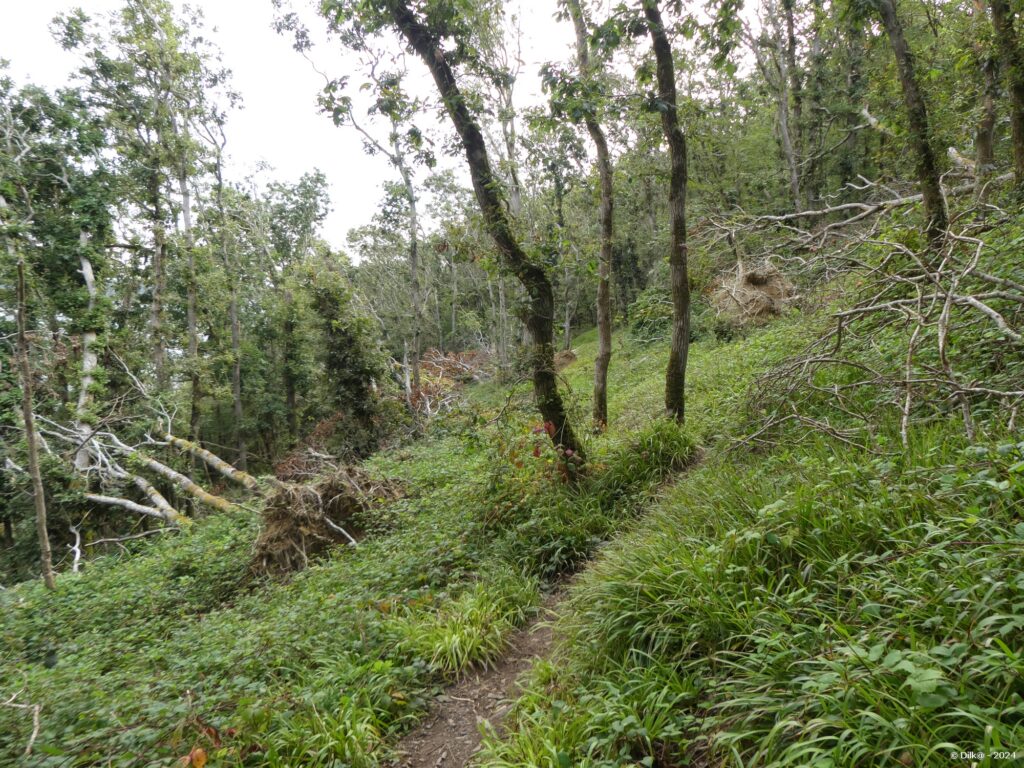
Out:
{"x": 917, "y": 122}
{"x": 425, "y": 34}
{"x": 31, "y": 438}
{"x": 1012, "y": 61}
{"x": 604, "y": 168}
{"x": 666, "y": 104}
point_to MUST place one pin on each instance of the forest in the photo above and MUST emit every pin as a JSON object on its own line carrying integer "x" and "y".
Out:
{"x": 664, "y": 413}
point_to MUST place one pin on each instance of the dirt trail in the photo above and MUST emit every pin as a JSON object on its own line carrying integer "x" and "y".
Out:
{"x": 450, "y": 734}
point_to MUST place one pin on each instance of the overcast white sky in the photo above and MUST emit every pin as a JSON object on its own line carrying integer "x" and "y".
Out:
{"x": 279, "y": 122}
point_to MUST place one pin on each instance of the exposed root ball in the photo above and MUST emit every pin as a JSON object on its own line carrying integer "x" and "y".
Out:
{"x": 752, "y": 295}
{"x": 301, "y": 522}
{"x": 564, "y": 358}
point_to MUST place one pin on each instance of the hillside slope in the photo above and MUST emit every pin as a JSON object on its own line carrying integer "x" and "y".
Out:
{"x": 143, "y": 658}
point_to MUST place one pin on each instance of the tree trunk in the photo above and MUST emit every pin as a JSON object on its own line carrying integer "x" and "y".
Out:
{"x": 1013, "y": 69}
{"x": 290, "y": 395}
{"x": 502, "y": 323}
{"x": 237, "y": 434}
{"x": 45, "y": 556}
{"x": 795, "y": 80}
{"x": 534, "y": 279}
{"x": 675, "y": 377}
{"x": 917, "y": 122}
{"x": 984, "y": 136}
{"x": 8, "y": 535}
{"x": 604, "y": 263}
{"x": 190, "y": 312}
{"x": 156, "y": 310}
{"x": 453, "y": 341}
{"x": 83, "y": 456}
{"x": 216, "y": 463}
{"x": 414, "y": 261}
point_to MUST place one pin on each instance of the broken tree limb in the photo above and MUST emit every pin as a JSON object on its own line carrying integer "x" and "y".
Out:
{"x": 866, "y": 209}
{"x": 131, "y": 506}
{"x": 168, "y": 512}
{"x": 186, "y": 484}
{"x": 215, "y": 462}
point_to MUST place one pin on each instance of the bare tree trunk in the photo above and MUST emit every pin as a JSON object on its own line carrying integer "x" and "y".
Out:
{"x": 156, "y": 311}
{"x": 795, "y": 80}
{"x": 242, "y": 454}
{"x": 502, "y": 323}
{"x": 455, "y": 303}
{"x": 183, "y": 482}
{"x": 45, "y": 556}
{"x": 534, "y": 279}
{"x": 1013, "y": 68}
{"x": 604, "y": 263}
{"x": 984, "y": 136}
{"x": 216, "y": 463}
{"x": 675, "y": 377}
{"x": 237, "y": 433}
{"x": 917, "y": 122}
{"x": 414, "y": 262}
{"x": 290, "y": 395}
{"x": 89, "y": 362}
{"x": 190, "y": 312}
{"x": 566, "y": 308}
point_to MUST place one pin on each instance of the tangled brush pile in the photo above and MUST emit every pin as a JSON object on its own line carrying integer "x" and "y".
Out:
{"x": 302, "y": 522}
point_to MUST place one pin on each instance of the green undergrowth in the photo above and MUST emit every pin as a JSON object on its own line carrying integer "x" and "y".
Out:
{"x": 812, "y": 608}
{"x": 174, "y": 646}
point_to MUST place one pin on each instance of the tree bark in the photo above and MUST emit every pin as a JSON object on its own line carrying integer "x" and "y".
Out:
{"x": 984, "y": 136}
{"x": 1013, "y": 69}
{"x": 192, "y": 297}
{"x": 414, "y": 259}
{"x": 38, "y": 497}
{"x": 215, "y": 462}
{"x": 183, "y": 482}
{"x": 604, "y": 262}
{"x": 156, "y": 310}
{"x": 917, "y": 122}
{"x": 535, "y": 280}
{"x": 89, "y": 363}
{"x": 675, "y": 376}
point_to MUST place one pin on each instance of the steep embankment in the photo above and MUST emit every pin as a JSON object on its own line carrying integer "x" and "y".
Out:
{"x": 175, "y": 650}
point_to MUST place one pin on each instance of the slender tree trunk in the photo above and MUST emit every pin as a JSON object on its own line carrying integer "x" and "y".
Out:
{"x": 534, "y": 279}
{"x": 1013, "y": 68}
{"x": 984, "y": 136}
{"x": 795, "y": 80}
{"x": 566, "y": 308}
{"x": 848, "y": 165}
{"x": 45, "y": 556}
{"x": 604, "y": 262}
{"x": 502, "y": 323}
{"x": 290, "y": 394}
{"x": 156, "y": 311}
{"x": 83, "y": 456}
{"x": 414, "y": 261}
{"x": 917, "y": 122}
{"x": 238, "y": 435}
{"x": 190, "y": 312}
{"x": 8, "y": 532}
{"x": 675, "y": 377}
{"x": 230, "y": 264}
{"x": 455, "y": 304}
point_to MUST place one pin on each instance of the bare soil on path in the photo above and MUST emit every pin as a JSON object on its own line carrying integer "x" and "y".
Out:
{"x": 450, "y": 734}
